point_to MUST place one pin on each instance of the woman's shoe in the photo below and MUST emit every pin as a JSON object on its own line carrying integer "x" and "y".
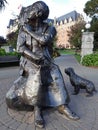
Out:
{"x": 64, "y": 109}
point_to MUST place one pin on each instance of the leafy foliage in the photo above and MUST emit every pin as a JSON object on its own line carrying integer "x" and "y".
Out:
{"x": 91, "y": 7}
{"x": 94, "y": 28}
{"x": 90, "y": 60}
{"x": 75, "y": 34}
{"x": 12, "y": 38}
{"x": 2, "y": 41}
{"x": 2, "y": 52}
{"x": 14, "y": 53}
{"x": 2, "y": 4}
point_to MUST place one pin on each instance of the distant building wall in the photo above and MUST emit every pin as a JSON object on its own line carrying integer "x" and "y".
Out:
{"x": 7, "y": 48}
{"x": 13, "y": 26}
{"x": 62, "y": 35}
{"x": 63, "y": 25}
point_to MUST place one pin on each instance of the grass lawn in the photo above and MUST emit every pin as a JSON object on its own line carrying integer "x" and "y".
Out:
{"x": 78, "y": 57}
{"x": 67, "y": 51}
{"x": 72, "y": 52}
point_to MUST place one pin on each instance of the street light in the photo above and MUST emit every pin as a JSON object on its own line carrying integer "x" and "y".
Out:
{"x": 87, "y": 26}
{"x": 82, "y": 30}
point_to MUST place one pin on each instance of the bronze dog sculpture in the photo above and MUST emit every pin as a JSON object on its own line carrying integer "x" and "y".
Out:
{"x": 79, "y": 82}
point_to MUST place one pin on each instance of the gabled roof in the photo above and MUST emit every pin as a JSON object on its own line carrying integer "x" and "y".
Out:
{"x": 73, "y": 14}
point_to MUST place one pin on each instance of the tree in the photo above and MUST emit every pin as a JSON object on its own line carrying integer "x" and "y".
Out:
{"x": 12, "y": 39}
{"x": 2, "y": 4}
{"x": 75, "y": 34}
{"x": 94, "y": 28}
{"x": 91, "y": 8}
{"x": 2, "y": 41}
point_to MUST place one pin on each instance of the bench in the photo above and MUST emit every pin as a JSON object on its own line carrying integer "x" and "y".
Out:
{"x": 9, "y": 61}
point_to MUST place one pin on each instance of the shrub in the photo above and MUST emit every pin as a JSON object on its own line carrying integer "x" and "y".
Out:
{"x": 14, "y": 53}
{"x": 96, "y": 63}
{"x": 55, "y": 53}
{"x": 90, "y": 60}
{"x": 2, "y": 52}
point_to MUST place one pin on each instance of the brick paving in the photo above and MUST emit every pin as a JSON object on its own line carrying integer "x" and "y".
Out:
{"x": 85, "y": 107}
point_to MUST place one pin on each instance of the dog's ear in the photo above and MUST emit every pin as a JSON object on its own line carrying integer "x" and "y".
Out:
{"x": 71, "y": 69}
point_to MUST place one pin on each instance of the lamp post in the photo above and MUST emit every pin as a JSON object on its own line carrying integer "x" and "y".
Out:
{"x": 82, "y": 30}
{"x": 87, "y": 40}
{"x": 87, "y": 26}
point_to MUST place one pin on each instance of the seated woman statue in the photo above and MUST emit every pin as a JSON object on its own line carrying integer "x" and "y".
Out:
{"x": 40, "y": 83}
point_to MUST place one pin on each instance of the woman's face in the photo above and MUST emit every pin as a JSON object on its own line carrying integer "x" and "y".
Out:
{"x": 34, "y": 12}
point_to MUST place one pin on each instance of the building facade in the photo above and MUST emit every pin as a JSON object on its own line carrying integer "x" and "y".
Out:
{"x": 63, "y": 25}
{"x": 13, "y": 26}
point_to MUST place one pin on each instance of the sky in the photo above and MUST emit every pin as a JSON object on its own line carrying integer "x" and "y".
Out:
{"x": 57, "y": 8}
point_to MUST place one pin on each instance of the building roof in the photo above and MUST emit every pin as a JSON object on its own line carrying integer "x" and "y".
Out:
{"x": 73, "y": 14}
{"x": 12, "y": 22}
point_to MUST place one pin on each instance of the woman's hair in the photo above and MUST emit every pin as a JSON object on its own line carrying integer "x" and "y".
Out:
{"x": 43, "y": 9}
{"x": 42, "y": 12}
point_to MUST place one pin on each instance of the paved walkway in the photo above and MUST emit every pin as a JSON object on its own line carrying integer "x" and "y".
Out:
{"x": 86, "y": 108}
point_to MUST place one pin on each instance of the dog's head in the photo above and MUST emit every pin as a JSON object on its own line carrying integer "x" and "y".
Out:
{"x": 68, "y": 71}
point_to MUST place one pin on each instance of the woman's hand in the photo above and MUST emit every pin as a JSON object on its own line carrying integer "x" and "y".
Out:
{"x": 26, "y": 29}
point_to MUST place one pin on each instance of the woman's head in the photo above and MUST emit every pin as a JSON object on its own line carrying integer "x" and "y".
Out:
{"x": 38, "y": 9}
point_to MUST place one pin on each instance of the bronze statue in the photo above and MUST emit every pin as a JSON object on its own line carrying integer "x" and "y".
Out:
{"x": 79, "y": 82}
{"x": 40, "y": 83}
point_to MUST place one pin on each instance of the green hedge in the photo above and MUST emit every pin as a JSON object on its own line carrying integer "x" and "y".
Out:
{"x": 90, "y": 60}
{"x": 4, "y": 53}
{"x": 14, "y": 53}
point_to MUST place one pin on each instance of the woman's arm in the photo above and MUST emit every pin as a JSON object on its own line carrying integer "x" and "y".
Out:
{"x": 21, "y": 46}
{"x": 44, "y": 37}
